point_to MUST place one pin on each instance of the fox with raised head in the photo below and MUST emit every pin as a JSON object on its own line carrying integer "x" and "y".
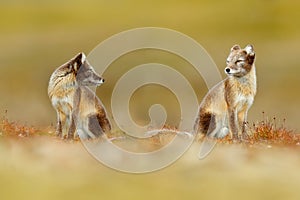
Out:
{"x": 74, "y": 102}
{"x": 225, "y": 107}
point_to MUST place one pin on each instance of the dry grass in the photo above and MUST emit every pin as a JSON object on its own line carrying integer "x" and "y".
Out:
{"x": 45, "y": 167}
{"x": 15, "y": 129}
{"x": 272, "y": 131}
{"x": 269, "y": 131}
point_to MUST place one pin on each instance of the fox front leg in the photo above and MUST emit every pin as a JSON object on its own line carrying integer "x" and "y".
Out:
{"x": 242, "y": 117}
{"x": 72, "y": 129}
{"x": 58, "y": 130}
{"x": 60, "y": 120}
{"x": 233, "y": 124}
{"x": 243, "y": 123}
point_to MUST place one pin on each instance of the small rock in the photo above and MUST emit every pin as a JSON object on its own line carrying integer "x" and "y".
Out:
{"x": 21, "y": 135}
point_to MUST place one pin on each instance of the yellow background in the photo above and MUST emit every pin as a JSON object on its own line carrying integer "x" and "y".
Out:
{"x": 38, "y": 36}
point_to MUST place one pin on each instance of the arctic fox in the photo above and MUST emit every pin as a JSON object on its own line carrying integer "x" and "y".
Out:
{"x": 224, "y": 109}
{"x": 74, "y": 102}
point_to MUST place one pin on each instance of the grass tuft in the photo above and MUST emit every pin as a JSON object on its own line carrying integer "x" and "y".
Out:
{"x": 267, "y": 131}
{"x": 15, "y": 129}
{"x": 273, "y": 131}
{"x": 270, "y": 132}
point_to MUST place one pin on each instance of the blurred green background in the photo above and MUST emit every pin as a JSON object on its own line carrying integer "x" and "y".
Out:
{"x": 38, "y": 36}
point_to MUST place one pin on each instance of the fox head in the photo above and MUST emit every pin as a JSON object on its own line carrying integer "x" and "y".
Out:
{"x": 240, "y": 61}
{"x": 84, "y": 73}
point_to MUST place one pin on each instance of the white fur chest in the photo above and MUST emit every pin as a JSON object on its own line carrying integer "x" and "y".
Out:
{"x": 246, "y": 90}
{"x": 63, "y": 103}
{"x": 243, "y": 100}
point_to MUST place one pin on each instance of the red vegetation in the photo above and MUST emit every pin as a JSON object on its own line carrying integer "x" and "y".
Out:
{"x": 268, "y": 131}
{"x": 264, "y": 132}
{"x": 15, "y": 129}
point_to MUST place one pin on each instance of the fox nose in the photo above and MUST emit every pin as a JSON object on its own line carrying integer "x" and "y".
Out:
{"x": 101, "y": 80}
{"x": 227, "y": 70}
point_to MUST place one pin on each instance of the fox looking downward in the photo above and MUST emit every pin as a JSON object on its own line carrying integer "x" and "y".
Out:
{"x": 224, "y": 109}
{"x": 69, "y": 93}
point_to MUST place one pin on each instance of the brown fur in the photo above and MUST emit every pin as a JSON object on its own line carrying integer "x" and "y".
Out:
{"x": 206, "y": 122}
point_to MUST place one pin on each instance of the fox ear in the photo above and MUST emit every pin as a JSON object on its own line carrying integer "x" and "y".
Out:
{"x": 235, "y": 47}
{"x": 249, "y": 49}
{"x": 79, "y": 60}
{"x": 83, "y": 57}
{"x": 251, "y": 54}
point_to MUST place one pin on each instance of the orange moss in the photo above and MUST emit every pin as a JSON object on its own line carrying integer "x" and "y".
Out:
{"x": 265, "y": 131}
{"x": 268, "y": 132}
{"x": 11, "y": 128}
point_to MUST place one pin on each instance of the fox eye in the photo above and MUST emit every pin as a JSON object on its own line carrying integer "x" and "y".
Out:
{"x": 88, "y": 72}
{"x": 239, "y": 61}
